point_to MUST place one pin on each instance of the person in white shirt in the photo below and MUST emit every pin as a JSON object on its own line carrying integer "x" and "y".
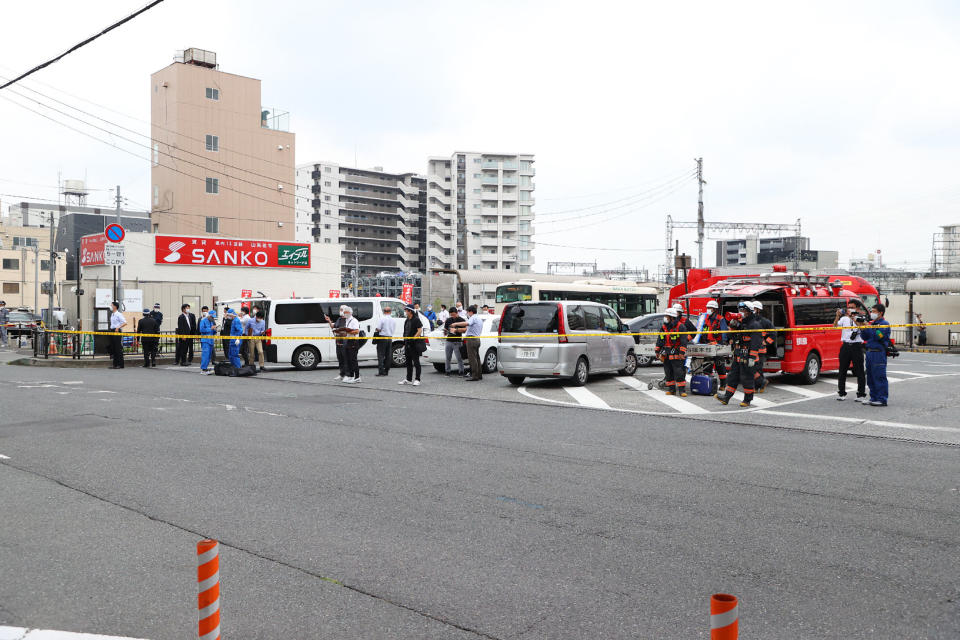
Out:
{"x": 851, "y": 351}
{"x": 443, "y": 315}
{"x": 384, "y": 346}
{"x": 351, "y": 328}
{"x": 117, "y": 323}
{"x": 471, "y": 339}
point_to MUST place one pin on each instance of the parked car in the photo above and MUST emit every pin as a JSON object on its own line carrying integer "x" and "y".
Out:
{"x": 22, "y": 323}
{"x": 588, "y": 338}
{"x": 304, "y": 318}
{"x": 436, "y": 352}
{"x": 644, "y": 324}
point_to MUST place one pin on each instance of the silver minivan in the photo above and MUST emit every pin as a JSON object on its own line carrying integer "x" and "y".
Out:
{"x": 567, "y": 339}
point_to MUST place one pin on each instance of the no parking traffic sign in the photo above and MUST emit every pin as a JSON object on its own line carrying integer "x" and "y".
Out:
{"x": 114, "y": 233}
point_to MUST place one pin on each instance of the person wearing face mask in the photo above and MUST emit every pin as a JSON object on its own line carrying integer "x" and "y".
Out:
{"x": 767, "y": 341}
{"x": 233, "y": 344}
{"x": 351, "y": 329}
{"x": 714, "y": 332}
{"x": 671, "y": 349}
{"x": 876, "y": 341}
{"x": 851, "y": 351}
{"x": 746, "y": 351}
{"x": 338, "y": 331}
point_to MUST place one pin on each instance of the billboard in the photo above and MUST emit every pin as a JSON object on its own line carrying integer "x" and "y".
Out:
{"x": 226, "y": 252}
{"x": 92, "y": 250}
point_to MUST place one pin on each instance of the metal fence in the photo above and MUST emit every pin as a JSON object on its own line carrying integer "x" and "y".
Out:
{"x": 48, "y": 344}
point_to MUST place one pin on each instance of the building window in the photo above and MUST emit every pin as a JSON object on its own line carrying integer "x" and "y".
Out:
{"x": 19, "y": 241}
{"x": 327, "y": 198}
{"x": 156, "y": 153}
{"x": 213, "y": 225}
{"x": 326, "y": 169}
{"x": 326, "y": 211}
{"x": 326, "y": 183}
{"x": 11, "y": 287}
{"x": 213, "y": 143}
{"x": 156, "y": 195}
{"x": 11, "y": 263}
{"x": 44, "y": 265}
{"x": 213, "y": 94}
{"x": 213, "y": 185}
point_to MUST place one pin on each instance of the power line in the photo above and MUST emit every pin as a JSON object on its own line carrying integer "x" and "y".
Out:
{"x": 569, "y": 246}
{"x": 611, "y": 191}
{"x": 81, "y": 44}
{"x": 683, "y": 176}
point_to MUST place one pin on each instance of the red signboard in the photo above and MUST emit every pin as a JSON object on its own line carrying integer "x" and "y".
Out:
{"x": 246, "y": 293}
{"x": 407, "y": 295}
{"x": 92, "y": 250}
{"x": 227, "y": 252}
{"x": 334, "y": 293}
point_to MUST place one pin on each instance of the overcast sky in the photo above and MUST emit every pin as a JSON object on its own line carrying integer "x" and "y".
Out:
{"x": 843, "y": 114}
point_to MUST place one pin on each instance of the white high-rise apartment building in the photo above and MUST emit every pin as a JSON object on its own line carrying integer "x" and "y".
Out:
{"x": 480, "y": 214}
{"x": 374, "y": 216}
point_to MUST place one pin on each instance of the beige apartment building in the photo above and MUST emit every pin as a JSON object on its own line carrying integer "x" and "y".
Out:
{"x": 24, "y": 250}
{"x": 222, "y": 163}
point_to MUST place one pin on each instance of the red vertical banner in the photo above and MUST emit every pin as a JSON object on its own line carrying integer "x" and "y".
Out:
{"x": 407, "y": 293}
{"x": 334, "y": 293}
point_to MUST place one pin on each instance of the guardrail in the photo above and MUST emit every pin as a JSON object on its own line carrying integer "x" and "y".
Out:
{"x": 77, "y": 346}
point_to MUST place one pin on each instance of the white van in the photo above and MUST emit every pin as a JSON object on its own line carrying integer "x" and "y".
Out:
{"x": 304, "y": 318}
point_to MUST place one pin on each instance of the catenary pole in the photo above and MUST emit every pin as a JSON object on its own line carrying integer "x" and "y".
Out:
{"x": 700, "y": 220}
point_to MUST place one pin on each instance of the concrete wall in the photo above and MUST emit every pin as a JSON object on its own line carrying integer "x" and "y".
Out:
{"x": 935, "y": 308}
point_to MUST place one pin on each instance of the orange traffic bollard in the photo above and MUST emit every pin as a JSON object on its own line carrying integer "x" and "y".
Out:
{"x": 724, "y": 617}
{"x": 208, "y": 586}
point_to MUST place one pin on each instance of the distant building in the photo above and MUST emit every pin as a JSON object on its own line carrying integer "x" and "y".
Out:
{"x": 73, "y": 222}
{"x": 769, "y": 251}
{"x": 222, "y": 163}
{"x": 24, "y": 266}
{"x": 480, "y": 215}
{"x": 376, "y": 217}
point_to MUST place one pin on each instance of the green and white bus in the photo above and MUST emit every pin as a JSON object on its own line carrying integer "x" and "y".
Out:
{"x": 627, "y": 298}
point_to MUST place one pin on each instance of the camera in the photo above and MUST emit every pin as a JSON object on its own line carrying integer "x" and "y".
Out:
{"x": 859, "y": 318}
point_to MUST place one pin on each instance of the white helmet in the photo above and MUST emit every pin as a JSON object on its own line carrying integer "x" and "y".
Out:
{"x": 712, "y": 304}
{"x": 678, "y": 306}
{"x": 671, "y": 312}
{"x": 757, "y": 305}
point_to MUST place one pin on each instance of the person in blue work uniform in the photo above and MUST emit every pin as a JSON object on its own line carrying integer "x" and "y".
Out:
{"x": 236, "y": 330}
{"x": 876, "y": 339}
{"x": 208, "y": 327}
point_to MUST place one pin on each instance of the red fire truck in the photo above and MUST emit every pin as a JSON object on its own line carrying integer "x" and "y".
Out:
{"x": 790, "y": 301}
{"x": 703, "y": 278}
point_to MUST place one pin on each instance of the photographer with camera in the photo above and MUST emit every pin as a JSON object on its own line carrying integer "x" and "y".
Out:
{"x": 876, "y": 339}
{"x": 851, "y": 350}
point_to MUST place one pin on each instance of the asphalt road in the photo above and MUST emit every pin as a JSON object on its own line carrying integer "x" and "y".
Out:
{"x": 457, "y": 510}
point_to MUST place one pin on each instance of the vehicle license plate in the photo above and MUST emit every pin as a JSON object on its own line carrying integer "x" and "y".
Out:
{"x": 526, "y": 353}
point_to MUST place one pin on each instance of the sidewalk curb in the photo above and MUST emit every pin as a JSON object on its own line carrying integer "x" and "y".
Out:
{"x": 87, "y": 363}
{"x": 24, "y": 633}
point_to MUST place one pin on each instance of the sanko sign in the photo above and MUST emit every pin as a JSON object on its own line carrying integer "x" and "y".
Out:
{"x": 92, "y": 250}
{"x": 222, "y": 252}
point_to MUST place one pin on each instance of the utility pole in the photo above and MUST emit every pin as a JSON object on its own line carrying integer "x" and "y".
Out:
{"x": 120, "y": 268}
{"x": 53, "y": 271}
{"x": 700, "y": 221}
{"x": 36, "y": 277}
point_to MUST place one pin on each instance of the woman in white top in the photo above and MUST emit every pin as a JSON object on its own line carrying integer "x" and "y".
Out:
{"x": 117, "y": 323}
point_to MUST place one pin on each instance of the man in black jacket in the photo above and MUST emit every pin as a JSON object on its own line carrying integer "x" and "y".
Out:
{"x": 186, "y": 326}
{"x": 747, "y": 342}
{"x": 225, "y": 331}
{"x": 148, "y": 324}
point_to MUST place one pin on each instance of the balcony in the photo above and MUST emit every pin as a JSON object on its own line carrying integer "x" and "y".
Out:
{"x": 509, "y": 166}
{"x": 510, "y": 195}
{"x": 489, "y": 195}
{"x": 364, "y": 179}
{"x": 274, "y": 119}
{"x": 490, "y": 180}
{"x": 528, "y": 171}
{"x": 528, "y": 186}
{"x": 509, "y": 180}
{"x": 316, "y": 217}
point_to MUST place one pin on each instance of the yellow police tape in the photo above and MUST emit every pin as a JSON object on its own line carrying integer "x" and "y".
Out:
{"x": 457, "y": 337}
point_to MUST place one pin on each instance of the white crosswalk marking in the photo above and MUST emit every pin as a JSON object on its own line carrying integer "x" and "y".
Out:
{"x": 804, "y": 391}
{"x": 756, "y": 402}
{"x": 586, "y": 397}
{"x": 681, "y": 405}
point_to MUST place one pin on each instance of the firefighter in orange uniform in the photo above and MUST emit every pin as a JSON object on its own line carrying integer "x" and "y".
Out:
{"x": 671, "y": 349}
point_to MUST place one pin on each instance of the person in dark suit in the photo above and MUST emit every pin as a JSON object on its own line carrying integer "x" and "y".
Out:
{"x": 148, "y": 325}
{"x": 186, "y": 326}
{"x": 225, "y": 331}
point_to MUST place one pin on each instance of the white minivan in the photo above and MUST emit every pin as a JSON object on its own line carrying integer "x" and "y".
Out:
{"x": 304, "y": 318}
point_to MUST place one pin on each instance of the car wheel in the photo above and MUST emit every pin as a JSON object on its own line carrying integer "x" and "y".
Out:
{"x": 630, "y": 367}
{"x": 306, "y": 358}
{"x": 490, "y": 360}
{"x": 811, "y": 369}
{"x": 580, "y": 373}
{"x": 439, "y": 366}
{"x": 644, "y": 361}
{"x": 515, "y": 380}
{"x": 398, "y": 355}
